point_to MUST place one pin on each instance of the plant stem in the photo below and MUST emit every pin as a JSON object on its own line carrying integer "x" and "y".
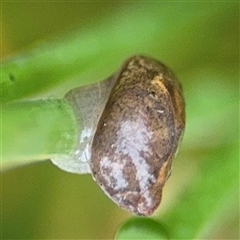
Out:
{"x": 90, "y": 54}
{"x": 36, "y": 130}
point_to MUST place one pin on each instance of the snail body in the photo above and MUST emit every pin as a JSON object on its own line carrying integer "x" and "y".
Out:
{"x": 134, "y": 128}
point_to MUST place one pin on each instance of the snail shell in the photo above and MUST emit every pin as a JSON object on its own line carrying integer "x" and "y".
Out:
{"x": 132, "y": 125}
{"x": 138, "y": 135}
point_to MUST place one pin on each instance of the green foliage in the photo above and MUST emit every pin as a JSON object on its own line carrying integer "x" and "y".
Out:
{"x": 141, "y": 228}
{"x": 36, "y": 130}
{"x": 200, "y": 42}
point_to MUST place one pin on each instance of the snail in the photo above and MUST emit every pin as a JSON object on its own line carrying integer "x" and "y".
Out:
{"x": 133, "y": 124}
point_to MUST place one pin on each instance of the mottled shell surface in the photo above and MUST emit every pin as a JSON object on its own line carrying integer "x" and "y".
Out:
{"x": 138, "y": 134}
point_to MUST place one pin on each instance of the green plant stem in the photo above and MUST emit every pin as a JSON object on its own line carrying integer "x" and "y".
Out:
{"x": 90, "y": 54}
{"x": 36, "y": 130}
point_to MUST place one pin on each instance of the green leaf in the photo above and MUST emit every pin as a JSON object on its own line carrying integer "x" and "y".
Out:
{"x": 94, "y": 54}
{"x": 141, "y": 228}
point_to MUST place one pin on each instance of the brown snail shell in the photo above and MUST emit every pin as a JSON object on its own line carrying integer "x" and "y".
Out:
{"x": 132, "y": 125}
{"x": 138, "y": 135}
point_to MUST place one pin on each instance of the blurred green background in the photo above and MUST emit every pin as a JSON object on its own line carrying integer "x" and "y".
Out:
{"x": 200, "y": 42}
